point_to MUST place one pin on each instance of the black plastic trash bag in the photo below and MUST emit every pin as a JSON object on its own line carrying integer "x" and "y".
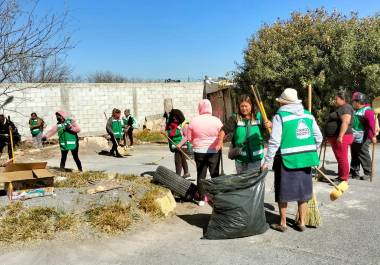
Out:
{"x": 238, "y": 205}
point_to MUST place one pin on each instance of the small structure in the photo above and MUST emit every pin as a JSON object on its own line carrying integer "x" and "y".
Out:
{"x": 222, "y": 94}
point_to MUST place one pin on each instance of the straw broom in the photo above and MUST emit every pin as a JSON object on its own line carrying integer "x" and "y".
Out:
{"x": 313, "y": 216}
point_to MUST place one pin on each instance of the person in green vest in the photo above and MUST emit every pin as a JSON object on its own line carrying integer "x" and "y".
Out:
{"x": 130, "y": 123}
{"x": 176, "y": 130}
{"x": 115, "y": 128}
{"x": 36, "y": 126}
{"x": 246, "y": 128}
{"x": 67, "y": 130}
{"x": 364, "y": 132}
{"x": 293, "y": 145}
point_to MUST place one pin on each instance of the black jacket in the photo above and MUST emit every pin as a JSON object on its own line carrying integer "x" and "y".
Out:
{"x": 4, "y": 131}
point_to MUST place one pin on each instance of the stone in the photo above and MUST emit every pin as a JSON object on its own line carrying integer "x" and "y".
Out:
{"x": 166, "y": 203}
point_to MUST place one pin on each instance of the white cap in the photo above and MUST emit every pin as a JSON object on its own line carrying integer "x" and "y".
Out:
{"x": 289, "y": 96}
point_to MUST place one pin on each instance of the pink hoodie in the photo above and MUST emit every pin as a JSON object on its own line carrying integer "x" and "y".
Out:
{"x": 74, "y": 125}
{"x": 203, "y": 130}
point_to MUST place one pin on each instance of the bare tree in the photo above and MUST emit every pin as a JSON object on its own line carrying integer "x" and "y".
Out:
{"x": 106, "y": 77}
{"x": 31, "y": 45}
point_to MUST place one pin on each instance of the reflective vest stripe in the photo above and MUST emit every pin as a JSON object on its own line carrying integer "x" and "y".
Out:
{"x": 255, "y": 153}
{"x": 298, "y": 149}
{"x": 295, "y": 117}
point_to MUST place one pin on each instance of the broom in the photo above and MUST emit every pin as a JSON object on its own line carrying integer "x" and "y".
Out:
{"x": 313, "y": 216}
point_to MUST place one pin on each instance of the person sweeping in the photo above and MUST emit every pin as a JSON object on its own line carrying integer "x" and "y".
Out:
{"x": 296, "y": 135}
{"x": 36, "y": 125}
{"x": 176, "y": 130}
{"x": 364, "y": 132}
{"x": 115, "y": 129}
{"x": 67, "y": 129}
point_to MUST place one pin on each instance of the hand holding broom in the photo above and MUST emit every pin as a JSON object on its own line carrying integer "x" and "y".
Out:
{"x": 260, "y": 105}
{"x": 179, "y": 149}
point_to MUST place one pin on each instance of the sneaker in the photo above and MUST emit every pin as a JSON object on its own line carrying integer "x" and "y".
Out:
{"x": 201, "y": 203}
{"x": 337, "y": 180}
{"x": 186, "y": 176}
{"x": 354, "y": 176}
{"x": 365, "y": 177}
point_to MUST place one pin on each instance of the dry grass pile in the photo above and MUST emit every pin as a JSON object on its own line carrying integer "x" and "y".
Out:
{"x": 151, "y": 136}
{"x": 84, "y": 179}
{"x": 124, "y": 177}
{"x": 80, "y": 179}
{"x": 148, "y": 203}
{"x": 113, "y": 218}
{"x": 20, "y": 223}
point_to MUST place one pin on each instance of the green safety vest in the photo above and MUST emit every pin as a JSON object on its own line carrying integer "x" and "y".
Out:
{"x": 67, "y": 140}
{"x": 358, "y": 126}
{"x": 35, "y": 131}
{"x": 298, "y": 147}
{"x": 177, "y": 138}
{"x": 117, "y": 128}
{"x": 253, "y": 145}
{"x": 134, "y": 121}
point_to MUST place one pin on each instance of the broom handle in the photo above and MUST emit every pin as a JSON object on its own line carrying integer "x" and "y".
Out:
{"x": 260, "y": 104}
{"x": 373, "y": 158}
{"x": 310, "y": 95}
{"x": 326, "y": 177}
{"x": 324, "y": 153}
{"x": 179, "y": 149}
{"x": 11, "y": 138}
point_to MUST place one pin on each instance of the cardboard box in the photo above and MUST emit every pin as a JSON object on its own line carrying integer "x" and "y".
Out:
{"x": 27, "y": 180}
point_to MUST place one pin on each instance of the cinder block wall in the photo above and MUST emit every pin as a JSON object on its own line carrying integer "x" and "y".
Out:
{"x": 88, "y": 102}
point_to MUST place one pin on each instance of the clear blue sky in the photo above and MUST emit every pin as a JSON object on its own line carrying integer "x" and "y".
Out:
{"x": 174, "y": 38}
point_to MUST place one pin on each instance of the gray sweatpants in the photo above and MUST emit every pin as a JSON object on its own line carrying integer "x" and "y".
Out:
{"x": 240, "y": 167}
{"x": 37, "y": 141}
{"x": 360, "y": 156}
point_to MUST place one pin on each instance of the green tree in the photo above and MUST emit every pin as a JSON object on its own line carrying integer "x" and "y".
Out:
{"x": 329, "y": 51}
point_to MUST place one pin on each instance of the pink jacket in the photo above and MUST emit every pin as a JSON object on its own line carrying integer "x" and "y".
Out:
{"x": 369, "y": 122}
{"x": 74, "y": 125}
{"x": 203, "y": 130}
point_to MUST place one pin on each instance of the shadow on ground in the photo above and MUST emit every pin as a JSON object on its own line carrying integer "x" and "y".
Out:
{"x": 199, "y": 220}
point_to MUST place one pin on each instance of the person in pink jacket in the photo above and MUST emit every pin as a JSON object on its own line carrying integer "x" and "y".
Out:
{"x": 67, "y": 129}
{"x": 203, "y": 134}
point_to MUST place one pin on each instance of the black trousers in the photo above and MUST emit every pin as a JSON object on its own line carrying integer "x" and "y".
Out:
{"x": 204, "y": 161}
{"x": 180, "y": 162}
{"x": 75, "y": 154}
{"x": 129, "y": 133}
{"x": 113, "y": 150}
{"x": 360, "y": 156}
{"x": 2, "y": 145}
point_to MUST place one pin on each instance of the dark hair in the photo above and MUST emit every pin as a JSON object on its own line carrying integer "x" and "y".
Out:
{"x": 342, "y": 95}
{"x": 33, "y": 113}
{"x": 247, "y": 98}
{"x": 115, "y": 111}
{"x": 177, "y": 114}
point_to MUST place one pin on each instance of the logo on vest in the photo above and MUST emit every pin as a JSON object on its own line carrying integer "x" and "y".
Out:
{"x": 302, "y": 132}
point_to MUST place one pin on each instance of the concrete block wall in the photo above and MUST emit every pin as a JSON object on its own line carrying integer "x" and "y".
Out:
{"x": 88, "y": 102}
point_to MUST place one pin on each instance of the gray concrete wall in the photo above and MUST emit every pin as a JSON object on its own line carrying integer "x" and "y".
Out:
{"x": 87, "y": 102}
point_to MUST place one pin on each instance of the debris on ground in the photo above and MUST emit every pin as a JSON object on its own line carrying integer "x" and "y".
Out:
{"x": 20, "y": 223}
{"x": 150, "y": 136}
{"x": 113, "y": 218}
{"x": 114, "y": 203}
